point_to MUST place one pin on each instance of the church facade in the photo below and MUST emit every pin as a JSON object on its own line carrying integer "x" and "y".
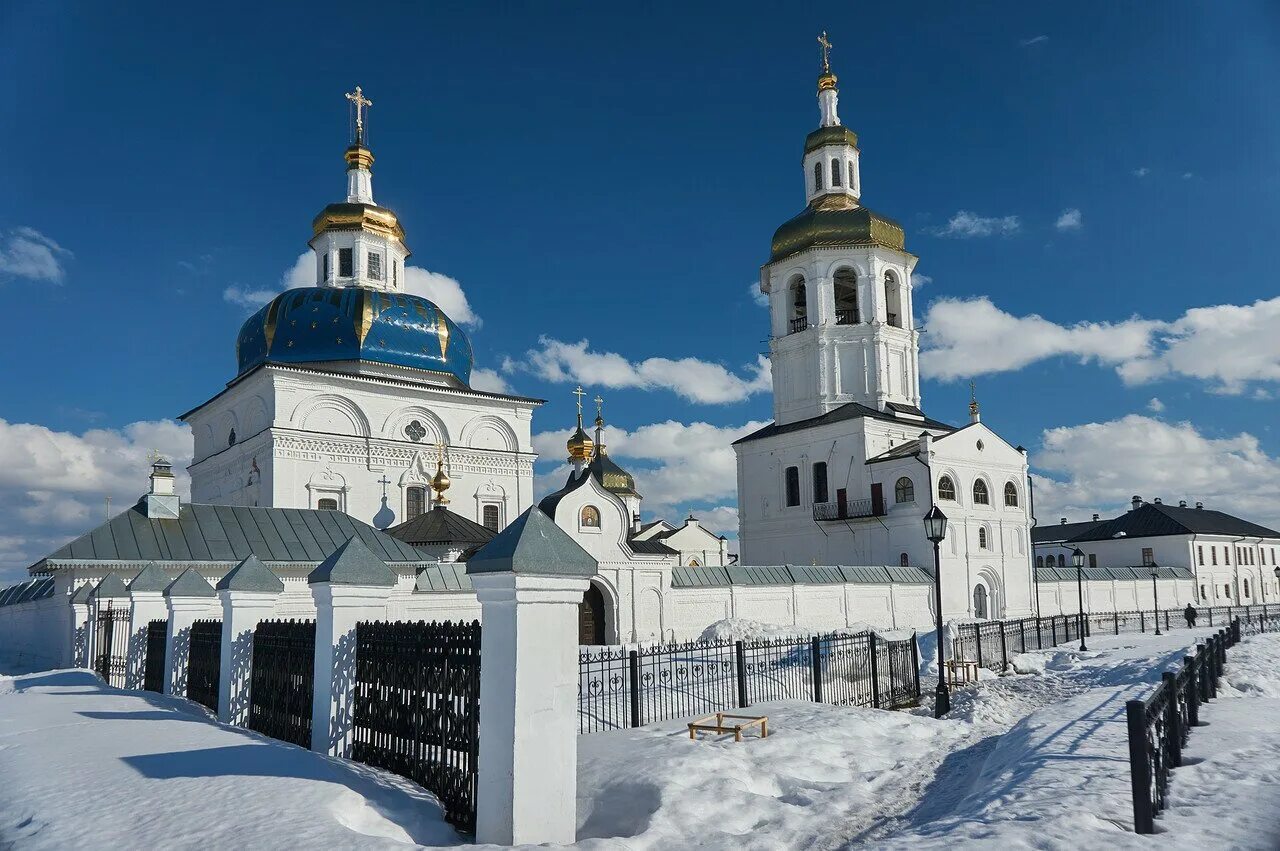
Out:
{"x": 351, "y": 392}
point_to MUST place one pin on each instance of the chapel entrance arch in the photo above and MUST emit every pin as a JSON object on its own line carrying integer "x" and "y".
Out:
{"x": 591, "y": 616}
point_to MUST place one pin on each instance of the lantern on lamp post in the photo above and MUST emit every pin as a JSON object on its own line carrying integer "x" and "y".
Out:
{"x": 935, "y": 529}
{"x": 1155, "y": 593}
{"x": 1077, "y": 559}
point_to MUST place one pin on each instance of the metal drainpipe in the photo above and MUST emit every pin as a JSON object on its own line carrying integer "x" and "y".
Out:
{"x": 1031, "y": 555}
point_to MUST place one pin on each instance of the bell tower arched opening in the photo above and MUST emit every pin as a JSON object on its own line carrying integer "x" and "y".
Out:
{"x": 846, "y": 297}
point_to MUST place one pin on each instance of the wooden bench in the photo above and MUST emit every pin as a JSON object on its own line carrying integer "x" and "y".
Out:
{"x": 961, "y": 671}
{"x": 716, "y": 724}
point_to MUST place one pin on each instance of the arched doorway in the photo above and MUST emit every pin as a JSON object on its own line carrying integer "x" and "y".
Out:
{"x": 591, "y": 616}
{"x": 980, "y": 609}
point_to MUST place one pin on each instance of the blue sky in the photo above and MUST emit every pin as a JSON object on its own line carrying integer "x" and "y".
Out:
{"x": 615, "y": 177}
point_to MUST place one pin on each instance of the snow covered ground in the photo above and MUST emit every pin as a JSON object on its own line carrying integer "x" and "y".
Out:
{"x": 1030, "y": 761}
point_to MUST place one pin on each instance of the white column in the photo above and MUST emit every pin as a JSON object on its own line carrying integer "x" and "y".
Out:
{"x": 183, "y": 611}
{"x": 147, "y": 606}
{"x": 80, "y": 628}
{"x": 338, "y": 609}
{"x": 241, "y": 613}
{"x": 527, "y": 772}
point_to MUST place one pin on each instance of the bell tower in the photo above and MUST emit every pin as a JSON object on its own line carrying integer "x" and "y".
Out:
{"x": 839, "y": 286}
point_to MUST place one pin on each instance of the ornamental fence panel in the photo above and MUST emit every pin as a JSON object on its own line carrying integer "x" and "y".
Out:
{"x": 153, "y": 669}
{"x": 204, "y": 663}
{"x": 111, "y": 646}
{"x": 620, "y": 687}
{"x": 417, "y": 708}
{"x": 282, "y": 680}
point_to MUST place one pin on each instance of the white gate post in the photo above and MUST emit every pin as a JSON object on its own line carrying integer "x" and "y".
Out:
{"x": 146, "y": 593}
{"x": 350, "y": 586}
{"x": 81, "y": 626}
{"x": 248, "y": 594}
{"x": 530, "y": 580}
{"x": 189, "y": 597}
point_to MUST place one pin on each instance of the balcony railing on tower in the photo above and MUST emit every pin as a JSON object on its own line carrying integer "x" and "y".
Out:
{"x": 798, "y": 324}
{"x": 847, "y": 316}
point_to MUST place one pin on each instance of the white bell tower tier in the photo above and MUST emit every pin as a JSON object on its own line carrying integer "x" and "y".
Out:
{"x": 839, "y": 287}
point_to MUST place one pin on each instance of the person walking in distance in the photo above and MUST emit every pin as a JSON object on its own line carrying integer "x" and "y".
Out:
{"x": 1190, "y": 614}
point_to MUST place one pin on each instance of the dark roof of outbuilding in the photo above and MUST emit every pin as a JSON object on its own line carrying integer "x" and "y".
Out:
{"x": 850, "y": 411}
{"x": 441, "y": 526}
{"x": 1062, "y": 531}
{"x": 229, "y": 533}
{"x": 1151, "y": 520}
{"x": 651, "y": 547}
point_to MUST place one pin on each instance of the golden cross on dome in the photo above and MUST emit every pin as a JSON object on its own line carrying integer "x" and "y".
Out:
{"x": 360, "y": 102}
{"x": 823, "y": 42}
{"x": 599, "y": 408}
{"x": 579, "y": 393}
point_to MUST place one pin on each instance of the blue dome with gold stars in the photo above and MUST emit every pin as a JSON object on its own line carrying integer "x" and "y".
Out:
{"x": 317, "y": 324}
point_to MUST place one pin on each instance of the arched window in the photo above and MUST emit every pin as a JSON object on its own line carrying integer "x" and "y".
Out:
{"x": 327, "y": 504}
{"x": 946, "y": 488}
{"x": 835, "y": 172}
{"x": 892, "y": 300}
{"x": 415, "y": 502}
{"x": 817, "y": 176}
{"x": 1246, "y": 587}
{"x": 904, "y": 490}
{"x": 982, "y": 538}
{"x": 1062, "y": 561}
{"x": 1039, "y": 561}
{"x": 799, "y": 306}
{"x": 590, "y": 518}
{"x": 852, "y": 183}
{"x": 980, "y": 494}
{"x": 1010, "y": 495}
{"x": 491, "y": 517}
{"x": 846, "y": 286}
{"x": 904, "y": 560}
{"x": 231, "y": 438}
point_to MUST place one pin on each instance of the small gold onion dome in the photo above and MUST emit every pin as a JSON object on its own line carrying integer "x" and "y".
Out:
{"x": 358, "y": 156}
{"x": 580, "y": 446}
{"x": 440, "y": 483}
{"x": 826, "y": 81}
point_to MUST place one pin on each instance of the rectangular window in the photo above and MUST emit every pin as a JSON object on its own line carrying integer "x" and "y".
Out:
{"x": 1200, "y": 555}
{"x": 325, "y": 277}
{"x": 820, "y": 482}
{"x": 395, "y": 272}
{"x": 491, "y": 517}
{"x": 1226, "y": 554}
{"x": 415, "y": 502}
{"x": 375, "y": 266}
{"x": 1213, "y": 554}
{"x": 1202, "y": 594}
{"x": 1093, "y": 559}
{"x": 345, "y": 264}
{"x": 1226, "y": 591}
{"x": 327, "y": 504}
{"x": 793, "y": 486}
{"x": 1148, "y": 557}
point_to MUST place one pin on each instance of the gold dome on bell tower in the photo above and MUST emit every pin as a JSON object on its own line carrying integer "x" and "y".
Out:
{"x": 580, "y": 445}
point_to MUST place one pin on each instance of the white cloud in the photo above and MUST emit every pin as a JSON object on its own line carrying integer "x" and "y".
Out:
{"x": 919, "y": 280}
{"x": 1229, "y": 347}
{"x": 1027, "y": 42}
{"x": 489, "y": 381}
{"x": 1186, "y": 175}
{"x": 54, "y": 484}
{"x": 27, "y": 253}
{"x": 1099, "y": 466}
{"x": 965, "y": 225}
{"x": 1141, "y": 172}
{"x": 690, "y": 378}
{"x": 675, "y": 464}
{"x": 969, "y": 337}
{"x": 1069, "y": 220}
{"x": 758, "y": 297}
{"x": 721, "y": 519}
{"x": 445, "y": 292}
{"x": 1155, "y": 405}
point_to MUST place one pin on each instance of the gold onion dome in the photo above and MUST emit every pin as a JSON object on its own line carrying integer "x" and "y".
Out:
{"x": 611, "y": 476}
{"x": 826, "y": 81}
{"x": 440, "y": 483}
{"x": 580, "y": 445}
{"x": 835, "y": 220}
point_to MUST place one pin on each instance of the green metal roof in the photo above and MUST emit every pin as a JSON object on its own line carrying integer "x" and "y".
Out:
{"x": 450, "y": 576}
{"x": 1106, "y": 574}
{"x": 796, "y": 574}
{"x": 25, "y": 592}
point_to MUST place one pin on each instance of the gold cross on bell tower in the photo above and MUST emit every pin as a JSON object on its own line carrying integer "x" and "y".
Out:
{"x": 824, "y": 44}
{"x": 579, "y": 393}
{"x": 361, "y": 103}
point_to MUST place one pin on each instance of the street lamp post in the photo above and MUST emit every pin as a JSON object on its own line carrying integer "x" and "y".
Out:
{"x": 1077, "y": 559}
{"x": 1155, "y": 593}
{"x": 935, "y": 529}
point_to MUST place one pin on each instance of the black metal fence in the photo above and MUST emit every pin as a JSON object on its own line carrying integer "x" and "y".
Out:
{"x": 992, "y": 644}
{"x": 282, "y": 680}
{"x": 111, "y": 646}
{"x": 618, "y": 687}
{"x": 417, "y": 708}
{"x": 1160, "y": 725}
{"x": 204, "y": 663}
{"x": 153, "y": 668}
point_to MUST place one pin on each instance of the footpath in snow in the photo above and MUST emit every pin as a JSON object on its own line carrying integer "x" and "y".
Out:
{"x": 1029, "y": 761}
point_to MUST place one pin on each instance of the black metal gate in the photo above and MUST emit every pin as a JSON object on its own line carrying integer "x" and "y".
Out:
{"x": 111, "y": 647}
{"x": 283, "y": 679}
{"x": 153, "y": 671}
{"x": 417, "y": 708}
{"x": 204, "y": 663}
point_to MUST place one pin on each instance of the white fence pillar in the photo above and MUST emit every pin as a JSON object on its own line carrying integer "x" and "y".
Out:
{"x": 530, "y": 580}
{"x": 350, "y": 586}
{"x": 81, "y": 626}
{"x": 248, "y": 594}
{"x": 190, "y": 598}
{"x": 146, "y": 595}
